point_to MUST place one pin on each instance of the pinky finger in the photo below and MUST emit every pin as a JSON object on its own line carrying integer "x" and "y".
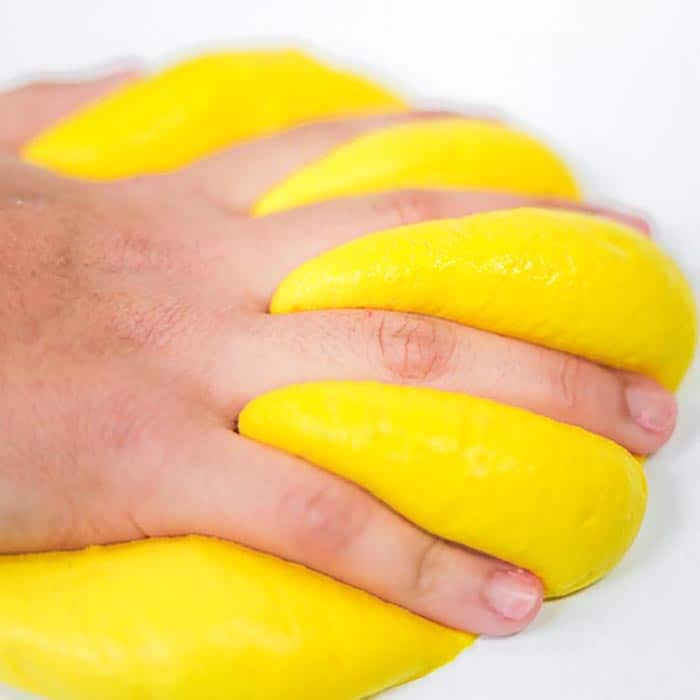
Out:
{"x": 252, "y": 494}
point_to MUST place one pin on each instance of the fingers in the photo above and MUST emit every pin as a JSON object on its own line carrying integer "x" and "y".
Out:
{"x": 28, "y": 110}
{"x": 268, "y": 160}
{"x": 401, "y": 348}
{"x": 230, "y": 487}
{"x": 281, "y": 242}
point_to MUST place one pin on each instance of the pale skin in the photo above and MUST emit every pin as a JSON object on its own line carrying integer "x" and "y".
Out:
{"x": 134, "y": 328}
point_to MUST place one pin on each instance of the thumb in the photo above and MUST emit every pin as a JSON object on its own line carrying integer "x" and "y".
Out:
{"x": 29, "y": 109}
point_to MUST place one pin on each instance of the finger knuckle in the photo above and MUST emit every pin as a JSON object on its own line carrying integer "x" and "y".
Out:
{"x": 427, "y": 571}
{"x": 409, "y": 206}
{"x": 325, "y": 521}
{"x": 413, "y": 347}
{"x": 567, "y": 381}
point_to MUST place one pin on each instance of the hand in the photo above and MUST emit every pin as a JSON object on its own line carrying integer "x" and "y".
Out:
{"x": 134, "y": 329}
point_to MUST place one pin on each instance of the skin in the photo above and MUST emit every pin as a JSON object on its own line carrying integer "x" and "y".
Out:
{"x": 134, "y": 328}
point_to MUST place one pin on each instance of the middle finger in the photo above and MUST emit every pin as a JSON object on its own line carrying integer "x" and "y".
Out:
{"x": 279, "y": 243}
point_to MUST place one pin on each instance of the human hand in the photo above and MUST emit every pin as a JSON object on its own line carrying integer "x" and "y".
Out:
{"x": 135, "y": 330}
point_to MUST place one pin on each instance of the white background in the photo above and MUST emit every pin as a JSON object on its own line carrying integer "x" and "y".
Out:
{"x": 615, "y": 86}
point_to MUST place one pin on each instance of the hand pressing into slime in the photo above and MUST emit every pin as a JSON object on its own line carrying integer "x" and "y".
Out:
{"x": 299, "y": 345}
{"x": 136, "y": 328}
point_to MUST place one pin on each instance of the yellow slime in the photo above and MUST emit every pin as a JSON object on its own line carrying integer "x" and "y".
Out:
{"x": 200, "y": 106}
{"x": 454, "y": 153}
{"x": 195, "y": 617}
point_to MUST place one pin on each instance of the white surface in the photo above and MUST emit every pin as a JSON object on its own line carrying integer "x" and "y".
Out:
{"x": 615, "y": 85}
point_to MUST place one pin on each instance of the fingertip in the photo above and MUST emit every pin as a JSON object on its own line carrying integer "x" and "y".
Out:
{"x": 627, "y": 218}
{"x": 515, "y": 596}
{"x": 636, "y": 221}
{"x": 483, "y": 595}
{"x": 652, "y": 408}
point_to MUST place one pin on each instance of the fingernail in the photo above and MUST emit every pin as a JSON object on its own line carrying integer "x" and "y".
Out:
{"x": 651, "y": 407}
{"x": 513, "y": 594}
